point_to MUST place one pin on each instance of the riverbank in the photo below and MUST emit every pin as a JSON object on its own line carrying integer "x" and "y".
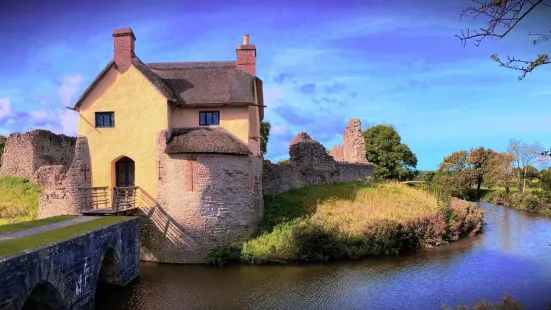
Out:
{"x": 351, "y": 221}
{"x": 533, "y": 201}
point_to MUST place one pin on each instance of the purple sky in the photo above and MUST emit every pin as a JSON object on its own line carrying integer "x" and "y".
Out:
{"x": 322, "y": 62}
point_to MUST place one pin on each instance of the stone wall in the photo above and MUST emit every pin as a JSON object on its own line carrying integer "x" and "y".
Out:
{"x": 62, "y": 187}
{"x": 311, "y": 164}
{"x": 353, "y": 148}
{"x": 204, "y": 201}
{"x": 64, "y": 275}
{"x": 25, "y": 153}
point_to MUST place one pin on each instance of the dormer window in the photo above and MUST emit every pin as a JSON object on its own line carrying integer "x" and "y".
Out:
{"x": 105, "y": 119}
{"x": 209, "y": 118}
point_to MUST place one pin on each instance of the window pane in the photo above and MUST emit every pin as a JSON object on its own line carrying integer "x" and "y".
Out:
{"x": 215, "y": 118}
{"x": 209, "y": 118}
{"x": 105, "y": 119}
{"x": 202, "y": 120}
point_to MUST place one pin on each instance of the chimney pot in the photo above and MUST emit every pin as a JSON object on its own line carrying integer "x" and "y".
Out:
{"x": 246, "y": 56}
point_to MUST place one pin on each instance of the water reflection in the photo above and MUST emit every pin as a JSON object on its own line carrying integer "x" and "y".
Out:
{"x": 512, "y": 255}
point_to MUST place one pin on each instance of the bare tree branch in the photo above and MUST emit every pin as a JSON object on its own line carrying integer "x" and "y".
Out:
{"x": 503, "y": 16}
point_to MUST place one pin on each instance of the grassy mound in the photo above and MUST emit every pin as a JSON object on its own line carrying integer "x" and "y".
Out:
{"x": 349, "y": 221}
{"x": 18, "y": 200}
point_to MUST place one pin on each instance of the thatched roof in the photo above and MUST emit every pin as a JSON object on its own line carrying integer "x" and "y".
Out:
{"x": 205, "y": 140}
{"x": 213, "y": 83}
{"x": 207, "y": 83}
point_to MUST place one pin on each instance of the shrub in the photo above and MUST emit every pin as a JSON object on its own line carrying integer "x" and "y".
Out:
{"x": 507, "y": 303}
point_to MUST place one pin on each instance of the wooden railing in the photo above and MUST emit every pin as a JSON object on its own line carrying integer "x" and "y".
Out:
{"x": 94, "y": 197}
{"x": 125, "y": 197}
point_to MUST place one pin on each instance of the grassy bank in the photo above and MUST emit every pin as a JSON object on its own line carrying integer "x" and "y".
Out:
{"x": 18, "y": 200}
{"x": 349, "y": 221}
{"x": 13, "y": 246}
{"x": 31, "y": 224}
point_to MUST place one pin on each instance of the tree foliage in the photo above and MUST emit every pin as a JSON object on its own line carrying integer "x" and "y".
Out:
{"x": 500, "y": 170}
{"x": 454, "y": 173}
{"x": 545, "y": 179}
{"x": 502, "y": 17}
{"x": 479, "y": 159}
{"x": 524, "y": 155}
{"x": 265, "y": 128}
{"x": 2, "y": 143}
{"x": 428, "y": 176}
{"x": 392, "y": 159}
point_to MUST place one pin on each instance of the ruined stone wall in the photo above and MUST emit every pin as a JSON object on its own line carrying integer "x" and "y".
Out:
{"x": 353, "y": 142}
{"x": 62, "y": 188}
{"x": 311, "y": 164}
{"x": 25, "y": 153}
{"x": 204, "y": 201}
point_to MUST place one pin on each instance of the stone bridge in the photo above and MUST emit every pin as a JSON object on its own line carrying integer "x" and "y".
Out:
{"x": 64, "y": 275}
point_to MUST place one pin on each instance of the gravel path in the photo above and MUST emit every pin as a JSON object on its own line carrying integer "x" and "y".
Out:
{"x": 41, "y": 229}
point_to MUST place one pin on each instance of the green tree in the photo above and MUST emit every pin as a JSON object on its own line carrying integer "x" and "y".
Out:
{"x": 545, "y": 178}
{"x": 532, "y": 173}
{"x": 502, "y": 16}
{"x": 428, "y": 176}
{"x": 455, "y": 174}
{"x": 2, "y": 143}
{"x": 392, "y": 158}
{"x": 479, "y": 160}
{"x": 265, "y": 128}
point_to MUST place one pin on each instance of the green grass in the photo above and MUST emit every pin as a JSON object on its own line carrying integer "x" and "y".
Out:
{"x": 36, "y": 223}
{"x": 18, "y": 200}
{"x": 14, "y": 246}
{"x": 349, "y": 221}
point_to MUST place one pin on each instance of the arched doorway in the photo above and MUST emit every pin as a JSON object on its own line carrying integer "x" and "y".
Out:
{"x": 124, "y": 172}
{"x": 44, "y": 296}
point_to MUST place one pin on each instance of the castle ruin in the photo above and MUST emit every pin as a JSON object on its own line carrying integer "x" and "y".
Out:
{"x": 217, "y": 201}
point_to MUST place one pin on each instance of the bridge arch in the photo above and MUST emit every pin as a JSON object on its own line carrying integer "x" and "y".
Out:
{"x": 44, "y": 282}
{"x": 44, "y": 296}
{"x": 110, "y": 269}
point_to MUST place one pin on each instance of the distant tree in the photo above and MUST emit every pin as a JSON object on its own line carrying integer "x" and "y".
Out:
{"x": 392, "y": 159}
{"x": 525, "y": 155}
{"x": 455, "y": 174}
{"x": 2, "y": 143}
{"x": 502, "y": 17}
{"x": 428, "y": 176}
{"x": 500, "y": 170}
{"x": 545, "y": 178}
{"x": 532, "y": 173}
{"x": 479, "y": 159}
{"x": 265, "y": 128}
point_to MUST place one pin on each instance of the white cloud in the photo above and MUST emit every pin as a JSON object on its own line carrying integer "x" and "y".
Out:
{"x": 278, "y": 130}
{"x": 68, "y": 88}
{"x": 5, "y": 107}
{"x": 69, "y": 121}
{"x": 39, "y": 115}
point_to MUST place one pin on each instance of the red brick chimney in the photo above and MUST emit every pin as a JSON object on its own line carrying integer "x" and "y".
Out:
{"x": 246, "y": 56}
{"x": 123, "y": 40}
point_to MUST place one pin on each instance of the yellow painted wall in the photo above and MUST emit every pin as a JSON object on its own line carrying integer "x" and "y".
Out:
{"x": 140, "y": 113}
{"x": 233, "y": 119}
{"x": 254, "y": 130}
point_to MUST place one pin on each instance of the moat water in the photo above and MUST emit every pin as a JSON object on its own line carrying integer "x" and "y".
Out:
{"x": 513, "y": 255}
